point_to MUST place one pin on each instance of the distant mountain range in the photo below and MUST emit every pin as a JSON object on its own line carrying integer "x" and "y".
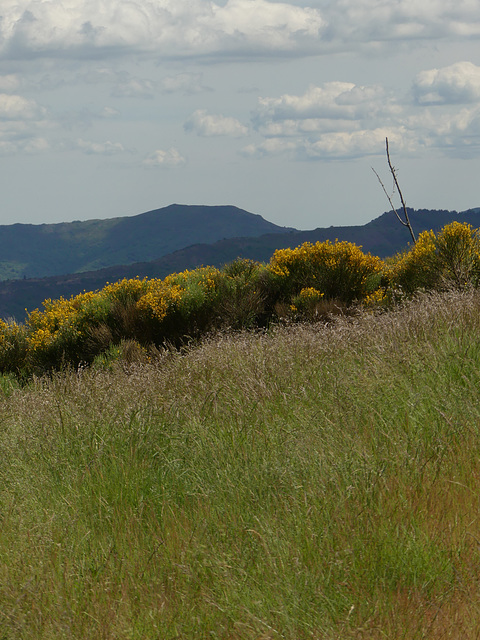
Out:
{"x": 168, "y": 240}
{"x": 37, "y": 251}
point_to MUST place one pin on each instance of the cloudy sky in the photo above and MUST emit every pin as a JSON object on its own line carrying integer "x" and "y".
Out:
{"x": 115, "y": 107}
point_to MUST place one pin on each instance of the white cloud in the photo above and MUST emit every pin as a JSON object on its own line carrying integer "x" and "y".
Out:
{"x": 368, "y": 23}
{"x": 270, "y": 147}
{"x": 109, "y": 112}
{"x": 344, "y": 120}
{"x": 106, "y": 148}
{"x": 169, "y": 159}
{"x": 335, "y": 120}
{"x": 455, "y": 84}
{"x": 438, "y": 119}
{"x": 356, "y": 144}
{"x": 335, "y": 108}
{"x": 15, "y": 107}
{"x": 451, "y": 132}
{"x": 204, "y": 124}
{"x": 264, "y": 24}
{"x": 23, "y": 123}
{"x": 177, "y": 28}
{"x": 335, "y": 145}
{"x": 306, "y": 126}
{"x": 34, "y": 145}
{"x": 332, "y": 101}
{"x": 165, "y": 27}
{"x": 17, "y": 136}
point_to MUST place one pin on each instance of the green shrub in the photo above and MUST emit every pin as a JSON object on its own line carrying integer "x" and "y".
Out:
{"x": 183, "y": 304}
{"x": 306, "y": 302}
{"x": 449, "y": 259}
{"x": 13, "y": 348}
{"x": 458, "y": 251}
{"x": 338, "y": 270}
{"x": 417, "y": 267}
{"x": 243, "y": 294}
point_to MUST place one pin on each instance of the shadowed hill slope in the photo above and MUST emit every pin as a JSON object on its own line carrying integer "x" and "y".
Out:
{"x": 37, "y": 251}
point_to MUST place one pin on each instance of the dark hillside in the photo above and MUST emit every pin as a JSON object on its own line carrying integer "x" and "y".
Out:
{"x": 36, "y": 251}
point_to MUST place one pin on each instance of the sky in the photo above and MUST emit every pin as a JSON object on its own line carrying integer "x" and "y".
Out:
{"x": 115, "y": 107}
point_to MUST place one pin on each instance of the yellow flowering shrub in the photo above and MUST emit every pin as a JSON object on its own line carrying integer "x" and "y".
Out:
{"x": 415, "y": 268}
{"x": 205, "y": 277}
{"x": 44, "y": 326}
{"x": 377, "y": 298}
{"x": 310, "y": 294}
{"x": 449, "y": 258}
{"x": 182, "y": 304}
{"x": 306, "y": 302}
{"x": 180, "y": 292}
{"x": 458, "y": 251}
{"x": 339, "y": 270}
{"x": 160, "y": 298}
{"x": 125, "y": 290}
{"x": 5, "y": 330}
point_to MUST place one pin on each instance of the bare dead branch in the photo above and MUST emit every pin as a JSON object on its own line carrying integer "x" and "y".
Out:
{"x": 405, "y": 222}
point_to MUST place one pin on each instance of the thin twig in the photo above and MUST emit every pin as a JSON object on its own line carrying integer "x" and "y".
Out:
{"x": 389, "y": 199}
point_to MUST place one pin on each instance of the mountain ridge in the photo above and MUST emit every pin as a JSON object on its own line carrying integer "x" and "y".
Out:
{"x": 36, "y": 251}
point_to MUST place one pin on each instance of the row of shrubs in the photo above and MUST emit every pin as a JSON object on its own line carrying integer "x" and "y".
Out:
{"x": 302, "y": 283}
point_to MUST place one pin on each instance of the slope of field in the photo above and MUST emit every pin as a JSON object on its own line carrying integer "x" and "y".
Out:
{"x": 313, "y": 482}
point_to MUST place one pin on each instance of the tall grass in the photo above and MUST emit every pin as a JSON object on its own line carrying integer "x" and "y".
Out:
{"x": 308, "y": 482}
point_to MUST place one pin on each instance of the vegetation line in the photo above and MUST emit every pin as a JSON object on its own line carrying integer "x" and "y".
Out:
{"x": 312, "y": 282}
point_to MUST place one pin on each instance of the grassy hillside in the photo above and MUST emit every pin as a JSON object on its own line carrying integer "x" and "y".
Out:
{"x": 37, "y": 251}
{"x": 310, "y": 482}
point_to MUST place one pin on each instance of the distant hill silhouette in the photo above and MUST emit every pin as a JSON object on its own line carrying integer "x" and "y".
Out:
{"x": 383, "y": 237}
{"x": 36, "y": 251}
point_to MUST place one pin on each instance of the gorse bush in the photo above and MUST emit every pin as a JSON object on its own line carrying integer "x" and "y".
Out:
{"x": 416, "y": 268}
{"x": 309, "y": 282}
{"x": 68, "y": 330}
{"x": 244, "y": 294}
{"x": 458, "y": 252}
{"x": 448, "y": 259}
{"x": 181, "y": 304}
{"x": 337, "y": 270}
{"x": 307, "y": 300}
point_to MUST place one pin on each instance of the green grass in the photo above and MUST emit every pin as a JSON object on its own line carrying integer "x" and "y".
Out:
{"x": 311, "y": 482}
